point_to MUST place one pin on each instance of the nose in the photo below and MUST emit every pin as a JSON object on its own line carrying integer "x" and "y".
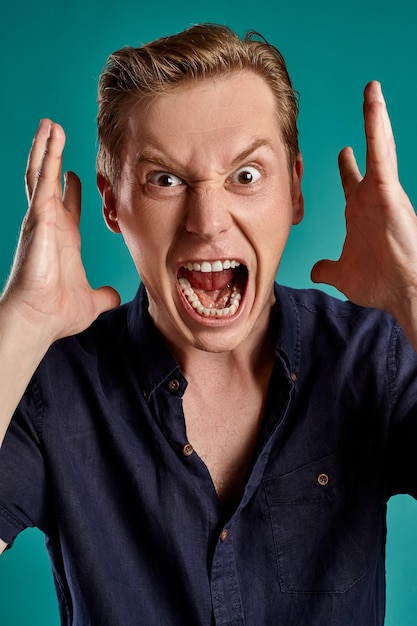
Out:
{"x": 208, "y": 214}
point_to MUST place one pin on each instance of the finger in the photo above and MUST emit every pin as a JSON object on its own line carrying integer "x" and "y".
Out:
{"x": 106, "y": 298}
{"x": 349, "y": 171}
{"x": 325, "y": 271}
{"x": 48, "y": 179}
{"x": 72, "y": 195}
{"x": 381, "y": 156}
{"x": 36, "y": 155}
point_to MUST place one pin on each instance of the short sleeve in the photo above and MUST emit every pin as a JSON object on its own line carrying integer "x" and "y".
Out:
{"x": 401, "y": 453}
{"x": 23, "y": 490}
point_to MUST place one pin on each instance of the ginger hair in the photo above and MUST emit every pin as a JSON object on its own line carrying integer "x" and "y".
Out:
{"x": 133, "y": 75}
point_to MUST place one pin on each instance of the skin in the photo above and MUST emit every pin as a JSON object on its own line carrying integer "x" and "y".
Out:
{"x": 378, "y": 264}
{"x": 207, "y": 214}
{"x": 48, "y": 295}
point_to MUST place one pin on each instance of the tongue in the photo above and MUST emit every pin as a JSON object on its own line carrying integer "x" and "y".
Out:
{"x": 209, "y": 281}
{"x": 218, "y": 299}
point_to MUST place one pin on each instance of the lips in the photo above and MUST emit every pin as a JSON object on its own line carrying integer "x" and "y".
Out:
{"x": 213, "y": 289}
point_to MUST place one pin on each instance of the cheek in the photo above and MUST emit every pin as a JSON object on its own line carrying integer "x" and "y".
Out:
{"x": 149, "y": 234}
{"x": 146, "y": 215}
{"x": 272, "y": 220}
{"x": 138, "y": 220}
{"x": 269, "y": 233}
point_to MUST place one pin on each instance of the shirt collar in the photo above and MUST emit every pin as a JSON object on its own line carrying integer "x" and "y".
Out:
{"x": 287, "y": 320}
{"x": 157, "y": 364}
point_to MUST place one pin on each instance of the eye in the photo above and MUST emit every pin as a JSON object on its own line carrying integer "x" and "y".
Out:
{"x": 246, "y": 175}
{"x": 165, "y": 179}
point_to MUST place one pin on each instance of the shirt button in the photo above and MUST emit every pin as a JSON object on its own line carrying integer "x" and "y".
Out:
{"x": 188, "y": 449}
{"x": 173, "y": 385}
{"x": 322, "y": 479}
{"x": 293, "y": 377}
{"x": 223, "y": 534}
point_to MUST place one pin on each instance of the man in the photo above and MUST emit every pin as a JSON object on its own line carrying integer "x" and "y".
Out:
{"x": 220, "y": 450}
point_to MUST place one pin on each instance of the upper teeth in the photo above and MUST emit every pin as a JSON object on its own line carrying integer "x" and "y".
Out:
{"x": 206, "y": 266}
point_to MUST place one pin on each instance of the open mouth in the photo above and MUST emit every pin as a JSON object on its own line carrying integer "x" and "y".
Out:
{"x": 213, "y": 289}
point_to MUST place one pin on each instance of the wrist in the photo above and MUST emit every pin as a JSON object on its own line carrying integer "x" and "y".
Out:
{"x": 24, "y": 330}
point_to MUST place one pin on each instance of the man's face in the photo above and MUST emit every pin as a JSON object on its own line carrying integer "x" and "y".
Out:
{"x": 205, "y": 204}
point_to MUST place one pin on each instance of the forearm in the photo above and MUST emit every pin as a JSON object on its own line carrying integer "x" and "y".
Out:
{"x": 22, "y": 347}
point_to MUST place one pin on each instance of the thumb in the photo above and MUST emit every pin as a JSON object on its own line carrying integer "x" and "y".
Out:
{"x": 106, "y": 298}
{"x": 324, "y": 271}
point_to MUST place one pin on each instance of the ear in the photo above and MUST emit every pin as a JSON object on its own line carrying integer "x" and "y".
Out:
{"x": 297, "y": 195}
{"x": 109, "y": 203}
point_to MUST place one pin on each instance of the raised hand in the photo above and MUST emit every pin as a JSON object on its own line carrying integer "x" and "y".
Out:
{"x": 378, "y": 264}
{"x": 48, "y": 287}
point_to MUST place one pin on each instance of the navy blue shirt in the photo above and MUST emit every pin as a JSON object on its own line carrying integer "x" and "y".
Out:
{"x": 97, "y": 457}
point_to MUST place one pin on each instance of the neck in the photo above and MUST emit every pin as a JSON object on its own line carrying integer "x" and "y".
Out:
{"x": 224, "y": 407}
{"x": 255, "y": 354}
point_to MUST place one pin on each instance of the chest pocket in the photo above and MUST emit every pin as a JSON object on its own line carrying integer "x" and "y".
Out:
{"x": 328, "y": 526}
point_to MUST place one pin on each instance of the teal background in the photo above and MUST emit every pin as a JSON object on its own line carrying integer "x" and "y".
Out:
{"x": 51, "y": 56}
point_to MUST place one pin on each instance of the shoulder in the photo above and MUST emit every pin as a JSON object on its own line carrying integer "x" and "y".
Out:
{"x": 317, "y": 301}
{"x": 104, "y": 335}
{"x": 317, "y": 305}
{"x": 100, "y": 348}
{"x": 332, "y": 328}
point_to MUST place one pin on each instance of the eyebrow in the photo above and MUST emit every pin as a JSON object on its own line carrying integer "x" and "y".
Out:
{"x": 167, "y": 164}
{"x": 258, "y": 143}
{"x": 153, "y": 157}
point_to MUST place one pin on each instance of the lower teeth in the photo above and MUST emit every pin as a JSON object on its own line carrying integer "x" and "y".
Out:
{"x": 194, "y": 300}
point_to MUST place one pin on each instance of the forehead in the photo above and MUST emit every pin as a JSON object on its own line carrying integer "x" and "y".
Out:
{"x": 206, "y": 115}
